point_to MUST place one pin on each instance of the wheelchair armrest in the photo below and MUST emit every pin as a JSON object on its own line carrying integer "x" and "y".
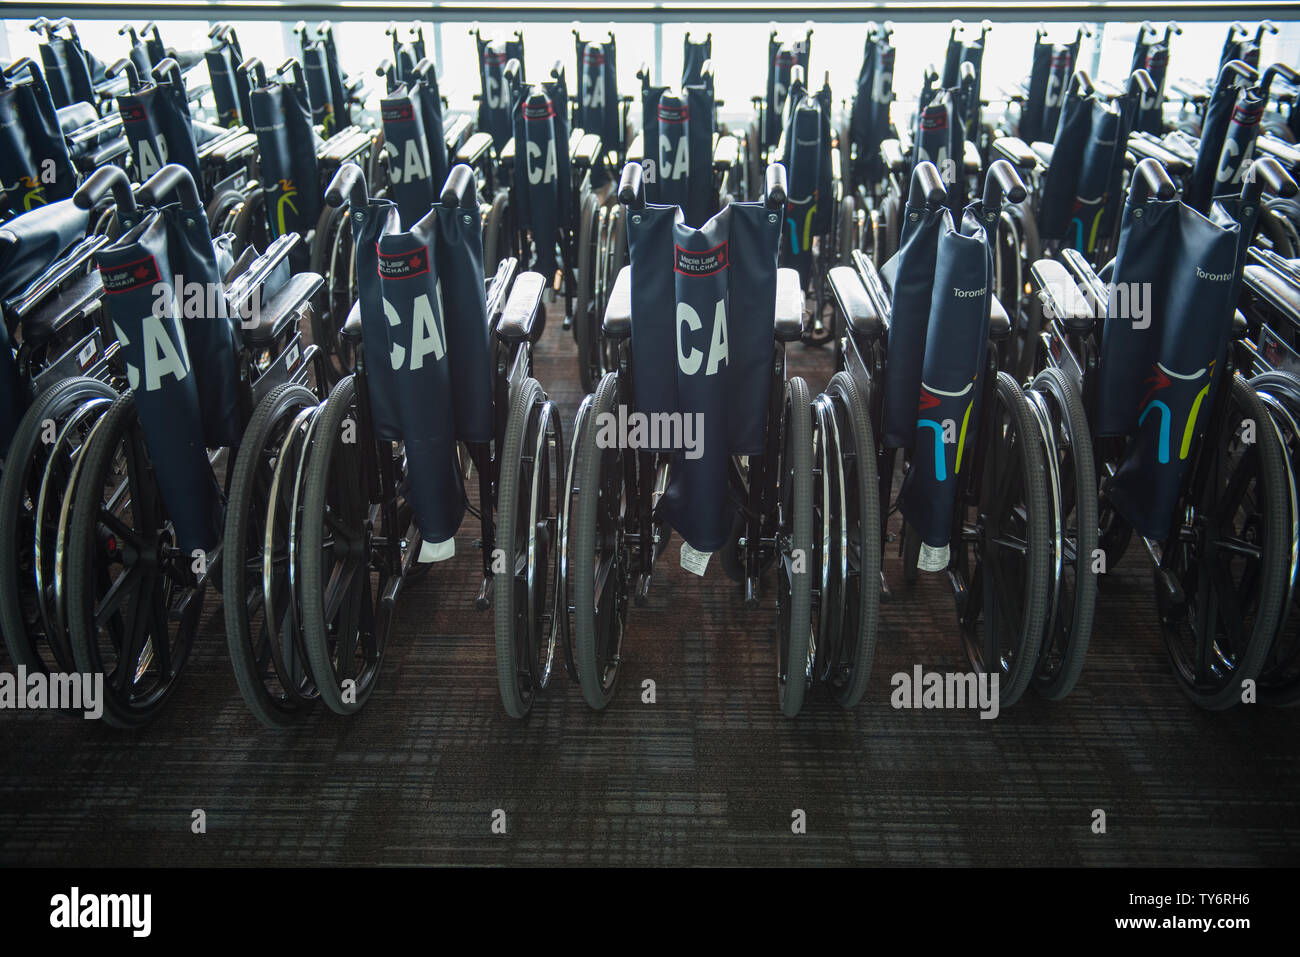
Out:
{"x": 1084, "y": 276}
{"x": 970, "y": 158}
{"x": 344, "y": 145}
{"x": 1140, "y": 147}
{"x": 1043, "y": 151}
{"x": 456, "y": 130}
{"x": 498, "y": 288}
{"x": 1288, "y": 154}
{"x": 519, "y": 317}
{"x": 891, "y": 151}
{"x": 1014, "y": 150}
{"x": 229, "y": 146}
{"x": 283, "y": 307}
{"x": 43, "y": 324}
{"x": 864, "y": 321}
{"x": 1061, "y": 297}
{"x": 351, "y": 330}
{"x": 999, "y": 321}
{"x": 587, "y": 151}
{"x": 617, "y": 322}
{"x": 726, "y": 153}
{"x": 790, "y": 305}
{"x": 508, "y": 152}
{"x": 474, "y": 149}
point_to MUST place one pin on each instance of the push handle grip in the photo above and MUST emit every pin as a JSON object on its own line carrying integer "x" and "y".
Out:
{"x": 171, "y": 178}
{"x": 254, "y": 66}
{"x": 459, "y": 190}
{"x": 926, "y": 189}
{"x": 125, "y": 65}
{"x": 348, "y": 187}
{"x": 1150, "y": 180}
{"x": 1003, "y": 184}
{"x": 106, "y": 179}
{"x": 774, "y": 187}
{"x": 1267, "y": 175}
{"x": 631, "y": 186}
{"x": 1141, "y": 84}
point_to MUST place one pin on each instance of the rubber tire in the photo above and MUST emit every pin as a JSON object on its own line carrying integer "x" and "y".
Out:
{"x": 235, "y": 538}
{"x": 12, "y": 490}
{"x": 1085, "y": 510}
{"x": 316, "y": 478}
{"x": 587, "y": 474}
{"x": 585, "y": 327}
{"x": 1275, "y": 586}
{"x": 870, "y": 548}
{"x": 1038, "y": 558}
{"x": 507, "y": 638}
{"x": 797, "y": 640}
{"x": 80, "y": 541}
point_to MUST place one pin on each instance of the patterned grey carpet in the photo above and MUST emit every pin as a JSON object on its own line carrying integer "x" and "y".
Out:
{"x": 710, "y": 774}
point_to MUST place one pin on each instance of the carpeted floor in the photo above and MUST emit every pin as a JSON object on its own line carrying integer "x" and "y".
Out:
{"x": 710, "y": 774}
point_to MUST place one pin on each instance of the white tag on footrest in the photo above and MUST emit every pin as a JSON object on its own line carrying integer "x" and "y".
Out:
{"x": 437, "y": 551}
{"x": 693, "y": 561}
{"x": 932, "y": 559}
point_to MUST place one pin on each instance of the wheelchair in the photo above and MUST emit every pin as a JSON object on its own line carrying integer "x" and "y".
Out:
{"x": 749, "y": 496}
{"x": 369, "y": 487}
{"x": 812, "y": 244}
{"x": 764, "y": 132}
{"x": 860, "y": 142}
{"x": 1186, "y": 452}
{"x": 1075, "y": 187}
{"x": 976, "y": 498}
{"x": 45, "y": 151}
{"x": 157, "y": 122}
{"x": 697, "y": 165}
{"x": 293, "y": 159}
{"x": 138, "y": 535}
{"x": 58, "y": 375}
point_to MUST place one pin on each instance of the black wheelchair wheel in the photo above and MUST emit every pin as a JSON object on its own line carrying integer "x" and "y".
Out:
{"x": 497, "y": 238}
{"x": 1230, "y": 556}
{"x": 586, "y": 314}
{"x": 1279, "y": 682}
{"x": 1073, "y": 476}
{"x": 795, "y": 567}
{"x": 332, "y": 258}
{"x": 41, "y": 456}
{"x": 265, "y": 643}
{"x": 888, "y": 229}
{"x": 249, "y": 222}
{"x": 600, "y": 569}
{"x": 1009, "y": 283}
{"x": 846, "y": 233}
{"x": 222, "y": 210}
{"x": 1003, "y": 564}
{"x": 341, "y": 583}
{"x": 615, "y": 258}
{"x": 527, "y": 617}
{"x": 133, "y": 600}
{"x": 849, "y": 660}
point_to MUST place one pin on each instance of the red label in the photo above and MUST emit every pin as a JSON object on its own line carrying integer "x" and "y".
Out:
{"x": 704, "y": 263}
{"x": 404, "y": 265}
{"x": 132, "y": 275}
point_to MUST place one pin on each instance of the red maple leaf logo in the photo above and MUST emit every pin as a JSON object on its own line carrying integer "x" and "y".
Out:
{"x": 141, "y": 272}
{"x": 1157, "y": 382}
{"x": 415, "y": 262}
